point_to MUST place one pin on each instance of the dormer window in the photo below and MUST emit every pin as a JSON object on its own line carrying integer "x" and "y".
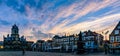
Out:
{"x": 116, "y": 31}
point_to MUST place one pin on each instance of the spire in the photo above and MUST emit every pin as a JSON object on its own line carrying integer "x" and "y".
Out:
{"x": 15, "y": 26}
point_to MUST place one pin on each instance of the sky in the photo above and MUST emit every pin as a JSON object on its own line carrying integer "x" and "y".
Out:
{"x": 42, "y": 19}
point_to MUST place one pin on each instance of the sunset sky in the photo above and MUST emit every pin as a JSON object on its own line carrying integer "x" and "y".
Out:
{"x": 41, "y": 19}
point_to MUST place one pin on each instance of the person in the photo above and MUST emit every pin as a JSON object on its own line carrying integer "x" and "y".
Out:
{"x": 106, "y": 48}
{"x": 23, "y": 51}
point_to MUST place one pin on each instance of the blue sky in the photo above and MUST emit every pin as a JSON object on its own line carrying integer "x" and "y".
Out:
{"x": 41, "y": 19}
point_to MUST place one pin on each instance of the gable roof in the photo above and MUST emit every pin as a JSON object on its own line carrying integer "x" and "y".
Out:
{"x": 116, "y": 28}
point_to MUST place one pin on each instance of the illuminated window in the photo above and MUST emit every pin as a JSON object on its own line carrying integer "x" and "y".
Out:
{"x": 1, "y": 47}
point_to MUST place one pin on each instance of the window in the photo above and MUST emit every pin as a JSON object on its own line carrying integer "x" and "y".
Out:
{"x": 118, "y": 27}
{"x": 116, "y": 31}
{"x": 112, "y": 39}
{"x": 117, "y": 38}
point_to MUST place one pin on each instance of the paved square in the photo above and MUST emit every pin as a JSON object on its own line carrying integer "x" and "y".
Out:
{"x": 30, "y": 53}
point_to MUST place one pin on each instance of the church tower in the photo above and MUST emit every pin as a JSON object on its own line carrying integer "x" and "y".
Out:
{"x": 14, "y": 42}
{"x": 15, "y": 32}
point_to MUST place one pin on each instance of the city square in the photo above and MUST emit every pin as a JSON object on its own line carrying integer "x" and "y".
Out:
{"x": 30, "y": 53}
{"x": 59, "y": 27}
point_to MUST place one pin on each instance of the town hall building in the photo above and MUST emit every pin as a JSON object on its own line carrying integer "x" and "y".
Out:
{"x": 14, "y": 41}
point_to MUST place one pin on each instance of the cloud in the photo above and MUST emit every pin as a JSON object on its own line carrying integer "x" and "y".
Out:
{"x": 53, "y": 17}
{"x": 90, "y": 7}
{"x": 96, "y": 25}
{"x": 37, "y": 33}
{"x": 3, "y": 22}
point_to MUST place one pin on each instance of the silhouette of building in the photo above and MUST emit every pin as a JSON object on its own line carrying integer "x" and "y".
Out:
{"x": 114, "y": 38}
{"x": 14, "y": 41}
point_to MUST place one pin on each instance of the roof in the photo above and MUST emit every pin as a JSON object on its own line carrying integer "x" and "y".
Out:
{"x": 30, "y": 42}
{"x": 57, "y": 37}
{"x": 116, "y": 28}
{"x": 49, "y": 41}
{"x": 40, "y": 41}
{"x": 90, "y": 33}
{"x": 15, "y": 26}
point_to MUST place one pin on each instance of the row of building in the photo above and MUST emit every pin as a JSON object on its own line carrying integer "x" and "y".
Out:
{"x": 68, "y": 43}
{"x": 92, "y": 41}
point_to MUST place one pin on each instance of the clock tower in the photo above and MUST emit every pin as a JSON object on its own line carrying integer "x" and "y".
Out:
{"x": 14, "y": 42}
{"x": 15, "y": 32}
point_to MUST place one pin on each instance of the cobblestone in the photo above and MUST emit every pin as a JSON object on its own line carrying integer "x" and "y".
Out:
{"x": 29, "y": 53}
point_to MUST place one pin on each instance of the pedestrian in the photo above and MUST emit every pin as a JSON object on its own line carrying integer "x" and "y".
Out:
{"x": 23, "y": 51}
{"x": 106, "y": 48}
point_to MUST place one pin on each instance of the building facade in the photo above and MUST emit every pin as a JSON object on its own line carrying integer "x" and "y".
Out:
{"x": 114, "y": 38}
{"x": 39, "y": 45}
{"x": 57, "y": 40}
{"x": 14, "y": 41}
{"x": 48, "y": 45}
{"x": 65, "y": 43}
{"x": 92, "y": 40}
